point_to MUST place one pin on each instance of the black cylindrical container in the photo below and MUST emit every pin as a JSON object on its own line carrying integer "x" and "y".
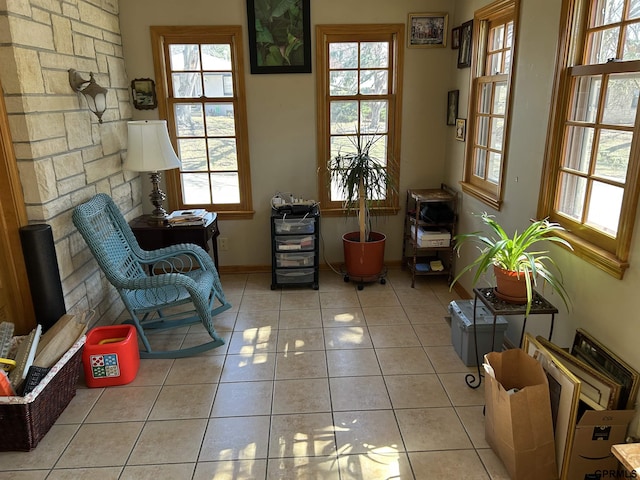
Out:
{"x": 42, "y": 270}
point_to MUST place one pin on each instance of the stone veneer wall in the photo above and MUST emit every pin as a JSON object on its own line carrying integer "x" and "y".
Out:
{"x": 64, "y": 155}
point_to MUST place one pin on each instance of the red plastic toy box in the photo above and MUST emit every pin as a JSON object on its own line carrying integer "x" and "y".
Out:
{"x": 111, "y": 356}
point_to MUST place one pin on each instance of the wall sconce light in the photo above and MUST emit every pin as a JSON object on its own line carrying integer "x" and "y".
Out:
{"x": 95, "y": 95}
{"x": 150, "y": 150}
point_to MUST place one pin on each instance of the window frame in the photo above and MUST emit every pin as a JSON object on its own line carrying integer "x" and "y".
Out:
{"x": 500, "y": 11}
{"x": 161, "y": 38}
{"x": 326, "y": 34}
{"x": 607, "y": 253}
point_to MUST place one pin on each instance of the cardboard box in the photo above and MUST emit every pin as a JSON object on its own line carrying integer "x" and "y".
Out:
{"x": 595, "y": 434}
{"x": 518, "y": 421}
{"x": 431, "y": 238}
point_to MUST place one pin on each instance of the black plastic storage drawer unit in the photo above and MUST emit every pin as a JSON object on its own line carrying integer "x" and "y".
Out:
{"x": 294, "y": 248}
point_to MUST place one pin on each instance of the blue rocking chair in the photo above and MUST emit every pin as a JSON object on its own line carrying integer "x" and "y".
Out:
{"x": 153, "y": 281}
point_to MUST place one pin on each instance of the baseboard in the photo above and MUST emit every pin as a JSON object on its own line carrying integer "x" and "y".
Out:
{"x": 267, "y": 268}
{"x": 459, "y": 289}
{"x": 244, "y": 269}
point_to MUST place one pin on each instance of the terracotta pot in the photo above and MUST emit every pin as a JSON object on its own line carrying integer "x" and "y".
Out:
{"x": 363, "y": 259}
{"x": 510, "y": 286}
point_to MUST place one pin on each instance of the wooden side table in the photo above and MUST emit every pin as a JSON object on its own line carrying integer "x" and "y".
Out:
{"x": 152, "y": 236}
{"x": 628, "y": 454}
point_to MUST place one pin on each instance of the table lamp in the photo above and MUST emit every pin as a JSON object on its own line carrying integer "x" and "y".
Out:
{"x": 150, "y": 150}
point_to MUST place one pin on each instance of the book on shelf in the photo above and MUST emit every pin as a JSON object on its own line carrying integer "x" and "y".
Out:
{"x": 189, "y": 223}
{"x": 422, "y": 267}
{"x": 187, "y": 214}
{"x": 436, "y": 265}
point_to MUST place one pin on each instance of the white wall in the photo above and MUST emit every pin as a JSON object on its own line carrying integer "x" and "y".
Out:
{"x": 282, "y": 113}
{"x": 603, "y": 306}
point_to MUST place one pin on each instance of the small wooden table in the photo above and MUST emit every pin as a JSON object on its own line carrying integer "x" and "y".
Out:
{"x": 629, "y": 456}
{"x": 152, "y": 236}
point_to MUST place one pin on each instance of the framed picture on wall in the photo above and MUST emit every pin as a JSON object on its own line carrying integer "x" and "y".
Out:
{"x": 452, "y": 106}
{"x": 427, "y": 30}
{"x": 461, "y": 129}
{"x": 455, "y": 38}
{"x": 464, "y": 51}
{"x": 143, "y": 92}
{"x": 279, "y": 36}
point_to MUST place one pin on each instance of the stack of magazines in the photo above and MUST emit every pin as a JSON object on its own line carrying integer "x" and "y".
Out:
{"x": 181, "y": 218}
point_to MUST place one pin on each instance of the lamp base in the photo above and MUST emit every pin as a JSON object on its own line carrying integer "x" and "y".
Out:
{"x": 157, "y": 196}
{"x": 157, "y": 219}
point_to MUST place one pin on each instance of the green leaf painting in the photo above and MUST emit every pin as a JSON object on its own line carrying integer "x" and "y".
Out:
{"x": 279, "y": 32}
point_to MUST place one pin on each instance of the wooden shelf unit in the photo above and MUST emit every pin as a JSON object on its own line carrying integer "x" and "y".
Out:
{"x": 415, "y": 255}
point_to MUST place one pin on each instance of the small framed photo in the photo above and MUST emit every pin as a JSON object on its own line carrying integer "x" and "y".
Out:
{"x": 464, "y": 50}
{"x": 452, "y": 106}
{"x": 427, "y": 30}
{"x": 455, "y": 38}
{"x": 143, "y": 92}
{"x": 461, "y": 129}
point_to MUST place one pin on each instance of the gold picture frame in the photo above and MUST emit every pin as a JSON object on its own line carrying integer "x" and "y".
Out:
{"x": 427, "y": 30}
{"x": 461, "y": 129}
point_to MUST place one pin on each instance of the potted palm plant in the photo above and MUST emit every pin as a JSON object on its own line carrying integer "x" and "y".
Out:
{"x": 362, "y": 179}
{"x": 516, "y": 263}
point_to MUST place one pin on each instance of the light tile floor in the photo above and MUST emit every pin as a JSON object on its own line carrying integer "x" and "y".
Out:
{"x": 338, "y": 383}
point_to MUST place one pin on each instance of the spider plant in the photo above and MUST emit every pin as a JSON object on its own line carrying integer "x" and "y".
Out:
{"x": 516, "y": 254}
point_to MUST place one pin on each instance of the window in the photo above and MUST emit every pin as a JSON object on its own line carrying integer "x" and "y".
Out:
{"x": 590, "y": 178}
{"x": 359, "y": 97}
{"x": 199, "y": 71}
{"x": 490, "y": 101}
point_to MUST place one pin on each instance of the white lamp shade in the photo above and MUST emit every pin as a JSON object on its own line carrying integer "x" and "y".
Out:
{"x": 150, "y": 148}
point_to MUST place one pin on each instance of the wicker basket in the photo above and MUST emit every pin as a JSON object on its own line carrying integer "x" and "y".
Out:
{"x": 24, "y": 421}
